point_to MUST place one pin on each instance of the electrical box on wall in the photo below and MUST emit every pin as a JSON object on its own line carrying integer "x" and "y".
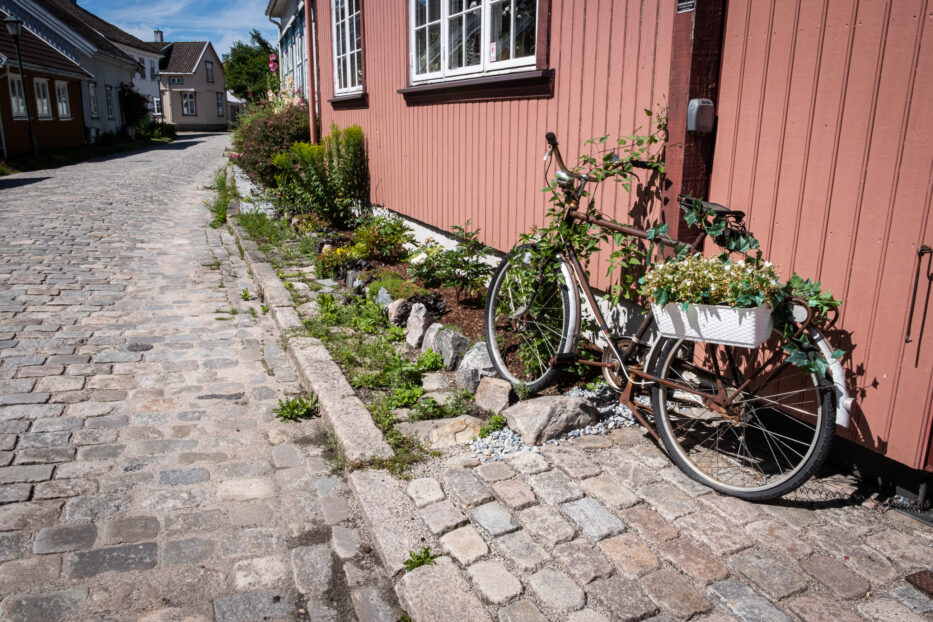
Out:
{"x": 700, "y": 116}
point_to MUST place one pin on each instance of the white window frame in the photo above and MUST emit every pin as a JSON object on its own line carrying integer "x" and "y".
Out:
{"x": 220, "y": 105}
{"x": 157, "y": 105}
{"x": 108, "y": 95}
{"x": 43, "y": 98}
{"x": 350, "y": 51}
{"x": 209, "y": 70}
{"x": 176, "y": 80}
{"x": 62, "y": 101}
{"x": 92, "y": 99}
{"x": 17, "y": 97}
{"x": 485, "y": 67}
{"x": 184, "y": 104}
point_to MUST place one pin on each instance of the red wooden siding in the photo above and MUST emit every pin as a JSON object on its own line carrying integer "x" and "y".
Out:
{"x": 446, "y": 163}
{"x": 50, "y": 133}
{"x": 824, "y": 138}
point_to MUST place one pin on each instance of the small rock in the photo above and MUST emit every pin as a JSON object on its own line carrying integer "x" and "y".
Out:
{"x": 493, "y": 394}
{"x": 398, "y": 311}
{"x": 418, "y": 321}
{"x": 452, "y": 345}
{"x": 435, "y": 381}
{"x": 545, "y": 418}
{"x": 459, "y": 430}
{"x": 474, "y": 366}
{"x": 383, "y": 297}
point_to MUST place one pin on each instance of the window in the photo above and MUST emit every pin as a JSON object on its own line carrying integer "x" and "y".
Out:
{"x": 209, "y": 67}
{"x": 176, "y": 80}
{"x": 348, "y": 46}
{"x": 43, "y": 103}
{"x": 92, "y": 99}
{"x": 189, "y": 107}
{"x": 220, "y": 104}
{"x": 108, "y": 92}
{"x": 61, "y": 97}
{"x": 153, "y": 70}
{"x": 141, "y": 68}
{"x": 456, "y": 38}
{"x": 17, "y": 96}
{"x": 157, "y": 105}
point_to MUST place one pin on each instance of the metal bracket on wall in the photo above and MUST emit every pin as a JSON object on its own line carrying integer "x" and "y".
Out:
{"x": 923, "y": 250}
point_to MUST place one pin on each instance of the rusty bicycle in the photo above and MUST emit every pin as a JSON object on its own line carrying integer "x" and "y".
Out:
{"x": 746, "y": 422}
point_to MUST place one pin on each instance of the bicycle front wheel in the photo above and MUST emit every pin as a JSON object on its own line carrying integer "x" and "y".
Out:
{"x": 767, "y": 442}
{"x": 527, "y": 318}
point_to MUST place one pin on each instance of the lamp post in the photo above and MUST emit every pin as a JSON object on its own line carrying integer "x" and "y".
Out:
{"x": 14, "y": 26}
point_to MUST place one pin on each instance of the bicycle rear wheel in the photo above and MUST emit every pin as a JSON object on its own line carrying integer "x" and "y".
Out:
{"x": 768, "y": 441}
{"x": 527, "y": 318}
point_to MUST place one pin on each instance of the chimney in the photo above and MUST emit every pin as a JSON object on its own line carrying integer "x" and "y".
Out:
{"x": 158, "y": 36}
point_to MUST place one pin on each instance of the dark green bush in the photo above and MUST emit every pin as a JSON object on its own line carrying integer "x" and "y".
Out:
{"x": 383, "y": 237}
{"x": 347, "y": 163}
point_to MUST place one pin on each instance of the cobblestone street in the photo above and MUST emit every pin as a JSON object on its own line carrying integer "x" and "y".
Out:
{"x": 142, "y": 473}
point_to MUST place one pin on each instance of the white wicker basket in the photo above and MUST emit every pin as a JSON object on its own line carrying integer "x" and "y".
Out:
{"x": 715, "y": 323}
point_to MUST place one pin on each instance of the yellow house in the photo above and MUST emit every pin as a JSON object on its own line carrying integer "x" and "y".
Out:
{"x": 192, "y": 85}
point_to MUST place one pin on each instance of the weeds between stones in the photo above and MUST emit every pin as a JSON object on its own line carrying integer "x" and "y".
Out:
{"x": 424, "y": 557}
{"x": 297, "y": 408}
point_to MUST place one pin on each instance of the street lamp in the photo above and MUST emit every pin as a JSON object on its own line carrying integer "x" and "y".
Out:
{"x": 14, "y": 26}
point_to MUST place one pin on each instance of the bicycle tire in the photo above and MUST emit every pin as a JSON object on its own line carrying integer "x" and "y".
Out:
{"x": 521, "y": 340}
{"x": 759, "y": 451}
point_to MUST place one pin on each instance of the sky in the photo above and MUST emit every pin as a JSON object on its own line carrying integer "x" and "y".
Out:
{"x": 222, "y": 22}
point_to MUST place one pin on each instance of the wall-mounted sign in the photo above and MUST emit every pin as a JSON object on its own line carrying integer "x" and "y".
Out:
{"x": 686, "y": 5}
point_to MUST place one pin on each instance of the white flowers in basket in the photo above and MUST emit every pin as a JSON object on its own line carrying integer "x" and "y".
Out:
{"x": 708, "y": 299}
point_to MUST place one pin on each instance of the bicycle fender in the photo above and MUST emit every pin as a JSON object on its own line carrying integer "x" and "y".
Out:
{"x": 843, "y": 400}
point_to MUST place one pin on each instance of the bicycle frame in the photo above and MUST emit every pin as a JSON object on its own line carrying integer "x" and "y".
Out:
{"x": 574, "y": 273}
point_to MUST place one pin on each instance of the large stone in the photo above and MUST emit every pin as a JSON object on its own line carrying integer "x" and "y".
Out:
{"x": 456, "y": 431}
{"x": 390, "y": 516}
{"x": 521, "y": 549}
{"x": 418, "y": 321}
{"x": 744, "y": 603}
{"x": 555, "y": 590}
{"x": 593, "y": 519}
{"x": 430, "y": 338}
{"x": 466, "y": 545}
{"x": 624, "y": 600}
{"x": 475, "y": 365}
{"x": 465, "y": 488}
{"x": 583, "y": 560}
{"x": 493, "y": 395}
{"x": 452, "y": 345}
{"x": 495, "y": 519}
{"x": 442, "y": 517}
{"x": 61, "y": 538}
{"x": 251, "y": 606}
{"x": 425, "y": 491}
{"x": 496, "y": 584}
{"x": 398, "y": 311}
{"x": 674, "y": 593}
{"x": 438, "y": 592}
{"x": 117, "y": 559}
{"x": 544, "y": 418}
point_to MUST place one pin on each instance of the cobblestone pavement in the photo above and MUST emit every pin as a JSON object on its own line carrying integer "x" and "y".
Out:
{"x": 142, "y": 474}
{"x": 607, "y": 529}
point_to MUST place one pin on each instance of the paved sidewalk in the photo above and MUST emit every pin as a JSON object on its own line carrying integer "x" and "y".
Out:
{"x": 607, "y": 529}
{"x": 142, "y": 474}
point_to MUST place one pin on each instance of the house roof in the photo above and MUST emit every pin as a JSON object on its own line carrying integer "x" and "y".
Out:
{"x": 37, "y": 54}
{"x": 115, "y": 34}
{"x": 79, "y": 20}
{"x": 182, "y": 56}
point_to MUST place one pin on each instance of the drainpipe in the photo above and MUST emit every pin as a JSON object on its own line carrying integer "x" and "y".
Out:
{"x": 2, "y": 138}
{"x": 312, "y": 68}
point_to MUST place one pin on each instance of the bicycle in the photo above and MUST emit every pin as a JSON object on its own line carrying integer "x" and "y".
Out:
{"x": 744, "y": 422}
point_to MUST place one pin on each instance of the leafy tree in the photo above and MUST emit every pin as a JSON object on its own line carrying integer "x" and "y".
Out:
{"x": 246, "y": 68}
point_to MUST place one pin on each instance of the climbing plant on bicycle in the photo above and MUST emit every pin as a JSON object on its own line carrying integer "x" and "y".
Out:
{"x": 753, "y": 419}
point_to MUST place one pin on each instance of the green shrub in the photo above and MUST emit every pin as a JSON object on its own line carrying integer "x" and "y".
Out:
{"x": 348, "y": 163}
{"x": 424, "y": 557}
{"x": 427, "y": 262}
{"x": 402, "y": 397}
{"x": 430, "y": 361}
{"x": 462, "y": 267}
{"x": 383, "y": 237}
{"x": 495, "y": 423}
{"x": 395, "y": 284}
{"x": 330, "y": 261}
{"x": 303, "y": 185}
{"x": 265, "y": 130}
{"x": 263, "y": 229}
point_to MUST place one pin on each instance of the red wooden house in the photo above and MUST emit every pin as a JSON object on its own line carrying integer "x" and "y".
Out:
{"x": 52, "y": 85}
{"x": 824, "y": 136}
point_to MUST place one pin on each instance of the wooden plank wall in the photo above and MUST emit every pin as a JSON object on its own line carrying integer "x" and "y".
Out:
{"x": 443, "y": 164}
{"x": 825, "y": 137}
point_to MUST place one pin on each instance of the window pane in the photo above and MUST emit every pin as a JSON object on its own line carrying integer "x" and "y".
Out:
{"x": 434, "y": 10}
{"x": 500, "y": 30}
{"x": 434, "y": 53}
{"x": 455, "y": 42}
{"x": 341, "y": 10}
{"x": 525, "y": 26}
{"x": 420, "y": 16}
{"x": 357, "y": 34}
{"x": 421, "y": 52}
{"x": 474, "y": 33}
{"x": 341, "y": 39}
{"x": 456, "y": 6}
